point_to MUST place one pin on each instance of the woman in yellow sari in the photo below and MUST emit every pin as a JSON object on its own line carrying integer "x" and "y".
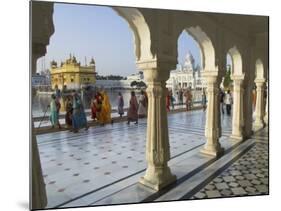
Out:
{"x": 105, "y": 114}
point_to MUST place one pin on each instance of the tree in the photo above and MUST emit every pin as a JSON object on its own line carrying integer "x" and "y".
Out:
{"x": 134, "y": 83}
{"x": 227, "y": 79}
{"x": 109, "y": 77}
{"x": 141, "y": 84}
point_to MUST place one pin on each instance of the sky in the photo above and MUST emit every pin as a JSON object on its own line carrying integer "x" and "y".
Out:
{"x": 97, "y": 31}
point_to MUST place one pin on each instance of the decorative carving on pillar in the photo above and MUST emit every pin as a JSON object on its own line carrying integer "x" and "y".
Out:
{"x": 259, "y": 122}
{"x": 158, "y": 174}
{"x": 238, "y": 116}
{"x": 39, "y": 196}
{"x": 219, "y": 108}
{"x": 212, "y": 146}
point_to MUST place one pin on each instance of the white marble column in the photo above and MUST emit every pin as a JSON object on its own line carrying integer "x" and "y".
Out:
{"x": 266, "y": 106}
{"x": 219, "y": 129}
{"x": 158, "y": 174}
{"x": 38, "y": 193}
{"x": 212, "y": 146}
{"x": 41, "y": 30}
{"x": 237, "y": 116}
{"x": 259, "y": 122}
{"x": 247, "y": 108}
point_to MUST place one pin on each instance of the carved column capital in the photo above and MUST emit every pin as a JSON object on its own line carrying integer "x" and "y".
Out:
{"x": 260, "y": 82}
{"x": 212, "y": 83}
{"x": 238, "y": 78}
{"x": 157, "y": 70}
{"x": 156, "y": 91}
{"x": 156, "y": 75}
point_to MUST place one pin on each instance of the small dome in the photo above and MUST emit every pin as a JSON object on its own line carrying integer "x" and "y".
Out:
{"x": 92, "y": 62}
{"x": 74, "y": 59}
{"x": 189, "y": 57}
{"x": 189, "y": 62}
{"x": 53, "y": 63}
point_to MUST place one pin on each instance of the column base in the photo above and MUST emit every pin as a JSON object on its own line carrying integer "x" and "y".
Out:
{"x": 158, "y": 179}
{"x": 237, "y": 137}
{"x": 258, "y": 125}
{"x": 212, "y": 150}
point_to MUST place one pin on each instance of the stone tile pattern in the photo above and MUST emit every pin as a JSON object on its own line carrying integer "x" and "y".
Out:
{"x": 245, "y": 177}
{"x": 75, "y": 164}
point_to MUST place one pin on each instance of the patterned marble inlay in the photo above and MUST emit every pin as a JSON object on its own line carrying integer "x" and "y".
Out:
{"x": 236, "y": 181}
{"x": 103, "y": 155}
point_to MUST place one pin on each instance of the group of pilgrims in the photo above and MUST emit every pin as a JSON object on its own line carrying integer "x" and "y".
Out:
{"x": 75, "y": 116}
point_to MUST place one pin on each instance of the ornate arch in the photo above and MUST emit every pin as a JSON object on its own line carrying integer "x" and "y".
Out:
{"x": 140, "y": 29}
{"x": 204, "y": 32}
{"x": 259, "y": 69}
{"x": 206, "y": 47}
{"x": 236, "y": 58}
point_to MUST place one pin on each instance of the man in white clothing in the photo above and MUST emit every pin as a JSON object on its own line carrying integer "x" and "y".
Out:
{"x": 228, "y": 102}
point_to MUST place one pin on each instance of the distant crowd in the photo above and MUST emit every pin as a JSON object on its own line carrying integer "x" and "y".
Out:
{"x": 76, "y": 119}
{"x": 75, "y": 116}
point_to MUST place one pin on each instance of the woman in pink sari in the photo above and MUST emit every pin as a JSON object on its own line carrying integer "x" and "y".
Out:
{"x": 132, "y": 114}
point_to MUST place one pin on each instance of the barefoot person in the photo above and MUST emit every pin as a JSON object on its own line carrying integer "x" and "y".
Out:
{"x": 120, "y": 103}
{"x": 79, "y": 119}
{"x": 204, "y": 100}
{"x": 228, "y": 102}
{"x": 69, "y": 111}
{"x": 54, "y": 109}
{"x": 172, "y": 100}
{"x": 93, "y": 106}
{"x": 98, "y": 105}
{"x": 168, "y": 100}
{"x": 105, "y": 114}
{"x": 142, "y": 105}
{"x": 133, "y": 109}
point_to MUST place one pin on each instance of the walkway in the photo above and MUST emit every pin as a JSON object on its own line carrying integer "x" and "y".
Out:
{"x": 44, "y": 121}
{"x": 103, "y": 165}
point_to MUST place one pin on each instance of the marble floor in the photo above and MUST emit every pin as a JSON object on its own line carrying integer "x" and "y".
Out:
{"x": 103, "y": 165}
{"x": 247, "y": 176}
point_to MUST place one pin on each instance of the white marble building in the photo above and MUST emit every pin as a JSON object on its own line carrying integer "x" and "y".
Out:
{"x": 186, "y": 75}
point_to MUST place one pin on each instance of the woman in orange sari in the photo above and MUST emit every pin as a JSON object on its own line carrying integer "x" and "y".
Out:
{"x": 105, "y": 114}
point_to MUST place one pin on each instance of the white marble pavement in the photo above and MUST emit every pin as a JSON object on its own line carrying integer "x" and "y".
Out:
{"x": 81, "y": 169}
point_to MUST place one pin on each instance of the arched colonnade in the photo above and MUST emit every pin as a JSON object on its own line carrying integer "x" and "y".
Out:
{"x": 156, "y": 33}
